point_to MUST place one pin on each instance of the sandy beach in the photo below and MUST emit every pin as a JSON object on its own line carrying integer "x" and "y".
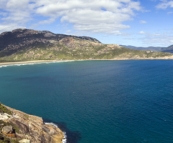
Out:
{"x": 4, "y": 64}
{"x": 33, "y": 62}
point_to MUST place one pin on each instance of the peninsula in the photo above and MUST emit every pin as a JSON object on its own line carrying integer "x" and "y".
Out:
{"x": 19, "y": 127}
{"x": 32, "y": 45}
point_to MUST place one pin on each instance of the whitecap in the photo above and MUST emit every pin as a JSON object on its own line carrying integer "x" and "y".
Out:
{"x": 55, "y": 125}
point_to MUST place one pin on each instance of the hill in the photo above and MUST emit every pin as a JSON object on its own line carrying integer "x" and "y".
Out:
{"x": 150, "y": 48}
{"x": 28, "y": 44}
{"x": 168, "y": 49}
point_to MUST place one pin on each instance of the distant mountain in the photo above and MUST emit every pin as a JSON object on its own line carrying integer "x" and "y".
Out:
{"x": 151, "y": 48}
{"x": 161, "y": 49}
{"x": 168, "y": 49}
{"x": 28, "y": 44}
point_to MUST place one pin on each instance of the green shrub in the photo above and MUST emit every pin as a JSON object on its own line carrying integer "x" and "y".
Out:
{"x": 3, "y": 109}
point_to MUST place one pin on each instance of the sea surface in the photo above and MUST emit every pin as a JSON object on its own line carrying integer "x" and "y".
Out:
{"x": 96, "y": 101}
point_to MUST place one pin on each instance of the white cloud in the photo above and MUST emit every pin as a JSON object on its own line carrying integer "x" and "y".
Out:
{"x": 14, "y": 14}
{"x": 141, "y": 32}
{"x": 105, "y": 16}
{"x": 170, "y": 12}
{"x": 165, "y": 4}
{"x": 7, "y": 27}
{"x": 159, "y": 39}
{"x": 143, "y": 22}
{"x": 47, "y": 21}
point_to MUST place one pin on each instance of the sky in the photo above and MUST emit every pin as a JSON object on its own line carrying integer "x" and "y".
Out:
{"x": 124, "y": 22}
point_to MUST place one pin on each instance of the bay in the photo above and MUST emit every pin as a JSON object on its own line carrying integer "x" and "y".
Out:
{"x": 97, "y": 101}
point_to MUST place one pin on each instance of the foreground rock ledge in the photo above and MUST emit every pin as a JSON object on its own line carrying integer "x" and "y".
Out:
{"x": 19, "y": 127}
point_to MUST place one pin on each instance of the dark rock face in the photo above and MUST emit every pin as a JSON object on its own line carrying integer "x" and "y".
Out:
{"x": 23, "y": 128}
{"x": 18, "y": 39}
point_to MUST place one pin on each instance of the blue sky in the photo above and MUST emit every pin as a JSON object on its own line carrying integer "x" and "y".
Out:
{"x": 127, "y": 22}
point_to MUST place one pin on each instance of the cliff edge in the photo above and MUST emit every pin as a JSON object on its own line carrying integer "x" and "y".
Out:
{"x": 19, "y": 127}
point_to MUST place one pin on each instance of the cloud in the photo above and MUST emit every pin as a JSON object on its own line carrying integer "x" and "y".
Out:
{"x": 6, "y": 27}
{"x": 14, "y": 14}
{"x": 143, "y": 22}
{"x": 170, "y": 12}
{"x": 103, "y": 16}
{"x": 159, "y": 39}
{"x": 141, "y": 32}
{"x": 165, "y": 4}
{"x": 47, "y": 21}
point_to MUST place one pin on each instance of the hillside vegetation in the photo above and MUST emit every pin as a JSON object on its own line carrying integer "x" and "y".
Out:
{"x": 26, "y": 45}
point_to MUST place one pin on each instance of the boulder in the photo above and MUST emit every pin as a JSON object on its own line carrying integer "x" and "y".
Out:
{"x": 7, "y": 130}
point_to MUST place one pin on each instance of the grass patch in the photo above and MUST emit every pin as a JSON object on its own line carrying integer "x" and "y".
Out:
{"x": 3, "y": 109}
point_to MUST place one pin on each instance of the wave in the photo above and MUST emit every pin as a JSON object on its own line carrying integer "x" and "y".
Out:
{"x": 64, "y": 140}
{"x": 55, "y": 125}
{"x": 34, "y": 63}
{"x": 3, "y": 66}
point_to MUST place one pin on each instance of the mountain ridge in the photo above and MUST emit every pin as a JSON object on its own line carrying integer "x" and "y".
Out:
{"x": 168, "y": 49}
{"x": 28, "y": 44}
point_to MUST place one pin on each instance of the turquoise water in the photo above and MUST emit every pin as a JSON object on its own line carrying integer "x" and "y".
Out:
{"x": 96, "y": 101}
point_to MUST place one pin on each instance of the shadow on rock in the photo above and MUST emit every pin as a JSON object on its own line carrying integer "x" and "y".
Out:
{"x": 72, "y": 136}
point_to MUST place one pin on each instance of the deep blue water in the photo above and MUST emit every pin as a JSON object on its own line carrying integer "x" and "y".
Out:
{"x": 97, "y": 101}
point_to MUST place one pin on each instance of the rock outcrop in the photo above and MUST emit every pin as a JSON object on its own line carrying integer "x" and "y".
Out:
{"x": 24, "y": 128}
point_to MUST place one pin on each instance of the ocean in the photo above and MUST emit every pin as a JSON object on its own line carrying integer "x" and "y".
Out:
{"x": 96, "y": 101}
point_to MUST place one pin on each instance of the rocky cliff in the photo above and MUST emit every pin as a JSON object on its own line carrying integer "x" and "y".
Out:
{"x": 28, "y": 44}
{"x": 19, "y": 127}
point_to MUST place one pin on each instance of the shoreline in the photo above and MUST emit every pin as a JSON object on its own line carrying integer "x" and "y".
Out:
{"x": 64, "y": 139}
{"x": 5, "y": 64}
{"x": 32, "y": 127}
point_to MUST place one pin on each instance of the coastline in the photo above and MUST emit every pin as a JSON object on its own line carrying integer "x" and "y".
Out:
{"x": 5, "y": 64}
{"x": 30, "y": 127}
